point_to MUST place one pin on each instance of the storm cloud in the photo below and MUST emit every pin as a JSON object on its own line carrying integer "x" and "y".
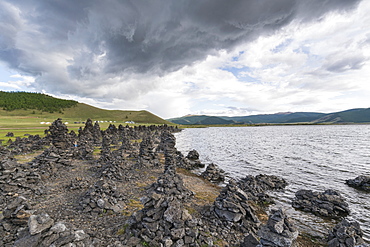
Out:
{"x": 119, "y": 48}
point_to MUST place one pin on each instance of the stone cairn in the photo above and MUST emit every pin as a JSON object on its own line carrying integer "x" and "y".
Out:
{"x": 59, "y": 136}
{"x": 15, "y": 177}
{"x": 51, "y": 161}
{"x": 147, "y": 156}
{"x": 26, "y": 229}
{"x": 361, "y": 182}
{"x": 103, "y": 196}
{"x": 214, "y": 174}
{"x": 193, "y": 161}
{"x": 257, "y": 186}
{"x": 231, "y": 216}
{"x": 164, "y": 221}
{"x": 346, "y": 234}
{"x": 279, "y": 230}
{"x": 27, "y": 145}
{"x": 328, "y": 203}
{"x": 15, "y": 215}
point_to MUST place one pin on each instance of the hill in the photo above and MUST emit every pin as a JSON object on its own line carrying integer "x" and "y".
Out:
{"x": 41, "y": 106}
{"x": 10, "y": 101}
{"x": 361, "y": 115}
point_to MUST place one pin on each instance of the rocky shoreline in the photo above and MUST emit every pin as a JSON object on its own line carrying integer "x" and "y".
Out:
{"x": 129, "y": 186}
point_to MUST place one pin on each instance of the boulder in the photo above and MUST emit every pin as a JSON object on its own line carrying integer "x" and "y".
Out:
{"x": 214, "y": 174}
{"x": 278, "y": 231}
{"x": 346, "y": 234}
{"x": 328, "y": 203}
{"x": 361, "y": 182}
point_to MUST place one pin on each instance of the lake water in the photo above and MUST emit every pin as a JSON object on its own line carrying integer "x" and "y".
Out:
{"x": 308, "y": 157}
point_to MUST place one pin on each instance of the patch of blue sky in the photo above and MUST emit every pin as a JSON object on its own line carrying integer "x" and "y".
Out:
{"x": 282, "y": 46}
{"x": 241, "y": 73}
{"x": 303, "y": 49}
{"x": 236, "y": 58}
{"x": 5, "y": 74}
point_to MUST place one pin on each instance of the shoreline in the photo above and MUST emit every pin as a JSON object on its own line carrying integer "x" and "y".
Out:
{"x": 99, "y": 185}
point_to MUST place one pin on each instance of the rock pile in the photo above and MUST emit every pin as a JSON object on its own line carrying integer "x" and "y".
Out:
{"x": 91, "y": 133}
{"x": 147, "y": 156}
{"x": 346, "y": 234}
{"x": 232, "y": 215}
{"x": 257, "y": 186}
{"x": 328, "y": 203}
{"x": 167, "y": 143}
{"x": 103, "y": 196}
{"x": 361, "y": 182}
{"x": 9, "y": 134}
{"x": 41, "y": 231}
{"x": 27, "y": 145}
{"x": 59, "y": 136}
{"x": 193, "y": 160}
{"x": 15, "y": 215}
{"x": 51, "y": 160}
{"x": 164, "y": 221}
{"x": 214, "y": 174}
{"x": 278, "y": 231}
{"x": 15, "y": 177}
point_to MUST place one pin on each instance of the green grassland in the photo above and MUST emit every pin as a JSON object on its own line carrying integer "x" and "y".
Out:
{"x": 21, "y": 121}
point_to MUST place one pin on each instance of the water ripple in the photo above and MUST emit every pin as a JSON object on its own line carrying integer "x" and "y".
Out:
{"x": 310, "y": 157}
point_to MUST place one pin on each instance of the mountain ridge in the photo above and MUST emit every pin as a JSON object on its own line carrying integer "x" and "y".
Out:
{"x": 356, "y": 115}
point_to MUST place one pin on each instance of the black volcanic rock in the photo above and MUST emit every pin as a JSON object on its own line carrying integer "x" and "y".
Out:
{"x": 346, "y": 234}
{"x": 328, "y": 203}
{"x": 361, "y": 182}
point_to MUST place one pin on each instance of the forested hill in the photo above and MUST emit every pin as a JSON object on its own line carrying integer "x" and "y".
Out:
{"x": 11, "y": 101}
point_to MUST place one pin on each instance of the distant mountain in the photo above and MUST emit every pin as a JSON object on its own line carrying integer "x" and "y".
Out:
{"x": 361, "y": 115}
{"x": 200, "y": 120}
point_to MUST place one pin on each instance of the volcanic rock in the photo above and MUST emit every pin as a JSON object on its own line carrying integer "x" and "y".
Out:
{"x": 328, "y": 203}
{"x": 278, "y": 231}
{"x": 346, "y": 234}
{"x": 214, "y": 174}
{"x": 361, "y": 182}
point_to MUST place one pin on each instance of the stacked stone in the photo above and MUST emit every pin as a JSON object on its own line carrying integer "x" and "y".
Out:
{"x": 164, "y": 221}
{"x": 346, "y": 234}
{"x": 361, "y": 182}
{"x": 103, "y": 196}
{"x": 59, "y": 135}
{"x": 147, "y": 156}
{"x": 15, "y": 177}
{"x": 51, "y": 160}
{"x": 214, "y": 174}
{"x": 9, "y": 134}
{"x": 231, "y": 216}
{"x": 328, "y": 203}
{"x": 257, "y": 186}
{"x": 83, "y": 150}
{"x": 113, "y": 134}
{"x": 193, "y": 160}
{"x": 27, "y": 145}
{"x": 16, "y": 215}
{"x": 167, "y": 143}
{"x": 279, "y": 230}
{"x": 112, "y": 169}
{"x": 41, "y": 231}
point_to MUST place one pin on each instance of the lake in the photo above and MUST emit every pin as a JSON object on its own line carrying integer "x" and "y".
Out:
{"x": 311, "y": 157}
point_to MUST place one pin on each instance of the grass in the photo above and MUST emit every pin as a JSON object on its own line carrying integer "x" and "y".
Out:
{"x": 81, "y": 112}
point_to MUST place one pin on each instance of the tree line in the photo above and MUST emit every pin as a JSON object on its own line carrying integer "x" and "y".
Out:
{"x": 10, "y": 101}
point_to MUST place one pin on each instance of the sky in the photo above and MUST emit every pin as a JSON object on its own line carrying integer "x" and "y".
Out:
{"x": 179, "y": 57}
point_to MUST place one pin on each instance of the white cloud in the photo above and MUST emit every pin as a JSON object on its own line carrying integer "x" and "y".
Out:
{"x": 185, "y": 59}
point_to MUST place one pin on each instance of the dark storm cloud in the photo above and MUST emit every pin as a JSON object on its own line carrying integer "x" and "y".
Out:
{"x": 107, "y": 39}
